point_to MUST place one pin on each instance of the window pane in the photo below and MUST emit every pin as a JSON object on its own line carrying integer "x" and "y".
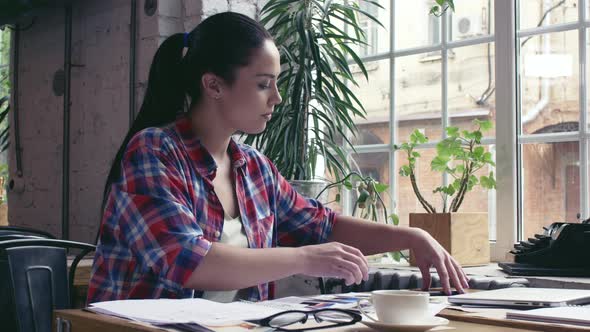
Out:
{"x": 377, "y": 36}
{"x": 551, "y": 184}
{"x": 418, "y": 95}
{"x": 472, "y": 18}
{"x": 549, "y": 83}
{"x": 375, "y": 165}
{"x": 535, "y": 13}
{"x": 374, "y": 96}
{"x": 426, "y": 179}
{"x": 470, "y": 86}
{"x": 414, "y": 26}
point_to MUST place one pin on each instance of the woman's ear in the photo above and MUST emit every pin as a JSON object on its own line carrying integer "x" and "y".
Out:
{"x": 212, "y": 85}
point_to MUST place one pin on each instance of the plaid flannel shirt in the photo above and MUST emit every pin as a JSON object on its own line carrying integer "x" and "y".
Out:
{"x": 162, "y": 216}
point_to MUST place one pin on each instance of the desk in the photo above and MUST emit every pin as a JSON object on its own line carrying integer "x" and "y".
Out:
{"x": 90, "y": 322}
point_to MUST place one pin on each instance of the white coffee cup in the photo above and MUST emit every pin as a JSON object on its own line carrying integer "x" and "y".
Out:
{"x": 398, "y": 306}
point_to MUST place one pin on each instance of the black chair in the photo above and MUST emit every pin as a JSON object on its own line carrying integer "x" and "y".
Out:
{"x": 36, "y": 281}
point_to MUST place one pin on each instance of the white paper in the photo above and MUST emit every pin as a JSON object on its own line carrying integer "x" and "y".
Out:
{"x": 579, "y": 315}
{"x": 192, "y": 310}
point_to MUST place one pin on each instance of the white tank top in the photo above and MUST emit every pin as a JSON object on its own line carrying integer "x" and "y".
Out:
{"x": 234, "y": 235}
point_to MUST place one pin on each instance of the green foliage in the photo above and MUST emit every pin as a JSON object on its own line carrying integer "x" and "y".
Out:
{"x": 318, "y": 106}
{"x": 4, "y": 127}
{"x": 460, "y": 155}
{"x": 368, "y": 200}
{"x": 4, "y": 88}
{"x": 441, "y": 7}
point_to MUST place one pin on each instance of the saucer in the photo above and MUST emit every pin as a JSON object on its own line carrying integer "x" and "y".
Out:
{"x": 421, "y": 326}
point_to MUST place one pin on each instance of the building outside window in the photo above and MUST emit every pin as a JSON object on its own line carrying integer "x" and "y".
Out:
{"x": 369, "y": 28}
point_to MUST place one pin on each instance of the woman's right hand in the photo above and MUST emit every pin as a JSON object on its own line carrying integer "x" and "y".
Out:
{"x": 336, "y": 260}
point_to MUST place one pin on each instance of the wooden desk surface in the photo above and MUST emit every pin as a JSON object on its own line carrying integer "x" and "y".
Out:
{"x": 90, "y": 322}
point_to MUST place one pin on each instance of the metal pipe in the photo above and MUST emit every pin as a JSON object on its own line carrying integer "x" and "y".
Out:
{"x": 65, "y": 206}
{"x": 132, "y": 61}
{"x": 15, "y": 104}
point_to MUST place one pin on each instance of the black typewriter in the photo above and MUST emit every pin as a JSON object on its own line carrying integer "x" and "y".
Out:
{"x": 562, "y": 250}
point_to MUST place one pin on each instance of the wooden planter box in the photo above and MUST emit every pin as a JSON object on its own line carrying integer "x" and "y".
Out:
{"x": 464, "y": 235}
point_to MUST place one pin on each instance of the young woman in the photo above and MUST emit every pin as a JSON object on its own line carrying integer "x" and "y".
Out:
{"x": 190, "y": 212}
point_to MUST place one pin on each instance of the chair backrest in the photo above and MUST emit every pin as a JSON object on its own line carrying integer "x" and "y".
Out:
{"x": 39, "y": 281}
{"x": 35, "y": 281}
{"x": 13, "y": 236}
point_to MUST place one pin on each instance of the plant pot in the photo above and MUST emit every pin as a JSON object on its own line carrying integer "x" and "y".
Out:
{"x": 310, "y": 188}
{"x": 464, "y": 235}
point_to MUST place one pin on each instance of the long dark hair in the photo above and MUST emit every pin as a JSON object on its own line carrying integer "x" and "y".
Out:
{"x": 219, "y": 45}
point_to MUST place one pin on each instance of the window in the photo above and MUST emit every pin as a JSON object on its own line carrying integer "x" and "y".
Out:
{"x": 515, "y": 62}
{"x": 550, "y": 106}
{"x": 430, "y": 95}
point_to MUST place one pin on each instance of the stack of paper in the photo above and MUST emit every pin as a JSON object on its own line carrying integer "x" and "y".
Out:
{"x": 560, "y": 315}
{"x": 199, "y": 311}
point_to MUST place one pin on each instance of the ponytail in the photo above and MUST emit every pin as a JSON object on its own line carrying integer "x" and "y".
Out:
{"x": 164, "y": 99}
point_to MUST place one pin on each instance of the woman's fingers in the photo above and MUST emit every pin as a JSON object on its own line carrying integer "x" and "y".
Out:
{"x": 426, "y": 279}
{"x": 443, "y": 274}
{"x": 462, "y": 274}
{"x": 358, "y": 258}
{"x": 349, "y": 271}
{"x": 453, "y": 275}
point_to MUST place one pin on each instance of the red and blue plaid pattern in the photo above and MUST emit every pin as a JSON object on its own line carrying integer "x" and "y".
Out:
{"x": 163, "y": 214}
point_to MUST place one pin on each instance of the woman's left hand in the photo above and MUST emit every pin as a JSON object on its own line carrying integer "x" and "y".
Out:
{"x": 429, "y": 253}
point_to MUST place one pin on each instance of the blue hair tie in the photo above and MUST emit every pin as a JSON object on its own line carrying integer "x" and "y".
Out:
{"x": 185, "y": 39}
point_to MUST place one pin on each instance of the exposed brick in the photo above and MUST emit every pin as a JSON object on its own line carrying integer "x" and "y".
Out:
{"x": 193, "y": 7}
{"x": 246, "y": 7}
{"x": 169, "y": 26}
{"x": 170, "y": 8}
{"x": 213, "y": 7}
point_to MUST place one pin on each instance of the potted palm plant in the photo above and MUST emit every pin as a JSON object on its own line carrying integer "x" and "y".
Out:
{"x": 316, "y": 41}
{"x": 460, "y": 155}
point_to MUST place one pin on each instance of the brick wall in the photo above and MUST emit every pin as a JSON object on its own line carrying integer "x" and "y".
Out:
{"x": 99, "y": 115}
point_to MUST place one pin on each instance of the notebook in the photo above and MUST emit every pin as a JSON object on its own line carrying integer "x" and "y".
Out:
{"x": 521, "y": 297}
{"x": 560, "y": 315}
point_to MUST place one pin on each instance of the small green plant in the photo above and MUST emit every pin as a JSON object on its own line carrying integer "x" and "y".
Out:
{"x": 441, "y": 7}
{"x": 460, "y": 155}
{"x": 368, "y": 201}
